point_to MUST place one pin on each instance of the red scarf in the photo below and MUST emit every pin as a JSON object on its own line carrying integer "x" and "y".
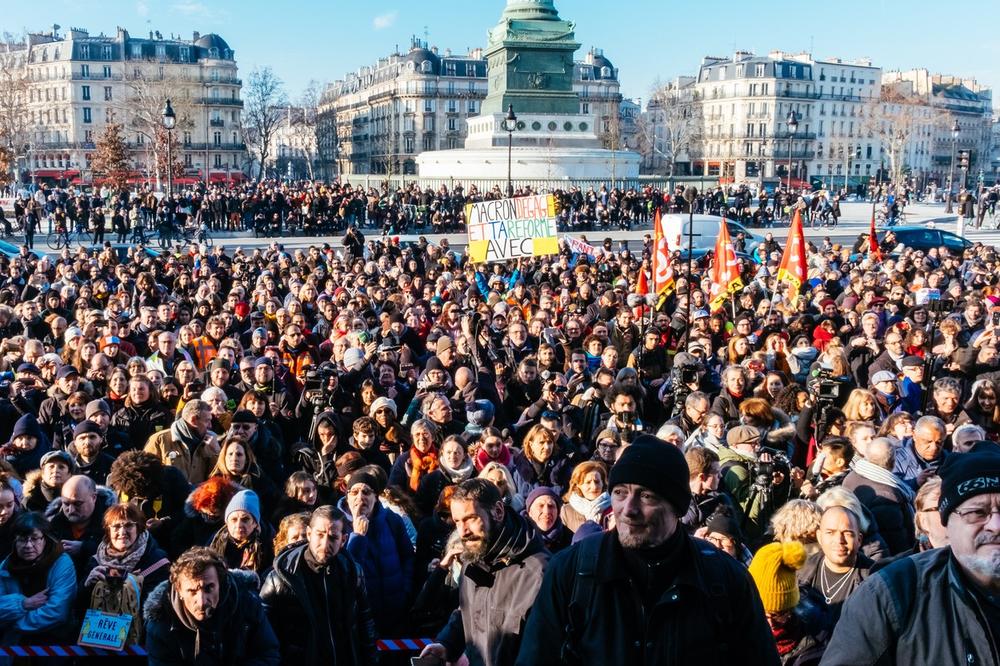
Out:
{"x": 483, "y": 459}
{"x": 421, "y": 463}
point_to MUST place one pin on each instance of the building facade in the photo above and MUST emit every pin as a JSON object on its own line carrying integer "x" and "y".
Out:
{"x": 78, "y": 83}
{"x": 379, "y": 118}
{"x": 293, "y": 152}
{"x": 745, "y": 101}
{"x": 948, "y": 100}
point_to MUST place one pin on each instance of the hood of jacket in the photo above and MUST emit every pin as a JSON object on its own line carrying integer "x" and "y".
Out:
{"x": 105, "y": 498}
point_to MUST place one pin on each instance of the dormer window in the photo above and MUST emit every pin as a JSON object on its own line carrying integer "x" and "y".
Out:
{"x": 213, "y": 52}
{"x": 605, "y": 72}
{"x": 425, "y": 67}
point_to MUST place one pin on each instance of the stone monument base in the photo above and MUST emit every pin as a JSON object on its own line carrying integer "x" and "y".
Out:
{"x": 529, "y": 163}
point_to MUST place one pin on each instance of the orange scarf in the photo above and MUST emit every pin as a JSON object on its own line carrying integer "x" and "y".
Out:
{"x": 421, "y": 464}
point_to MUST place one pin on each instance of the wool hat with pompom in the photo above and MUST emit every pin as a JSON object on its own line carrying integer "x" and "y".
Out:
{"x": 773, "y": 570}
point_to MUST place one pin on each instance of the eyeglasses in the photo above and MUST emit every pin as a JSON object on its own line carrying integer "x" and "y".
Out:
{"x": 608, "y": 446}
{"x": 976, "y": 515}
{"x": 32, "y": 538}
{"x": 122, "y": 527}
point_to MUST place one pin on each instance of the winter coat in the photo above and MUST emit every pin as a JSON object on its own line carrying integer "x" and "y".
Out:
{"x": 140, "y": 423}
{"x": 237, "y": 634}
{"x": 195, "y": 465}
{"x": 710, "y": 614}
{"x": 50, "y": 621}
{"x": 918, "y": 610}
{"x": 290, "y": 607}
{"x": 496, "y": 596}
{"x": 891, "y": 510}
{"x": 385, "y": 555}
{"x": 554, "y": 474}
{"x": 150, "y": 557}
{"x": 26, "y": 461}
{"x": 431, "y": 486}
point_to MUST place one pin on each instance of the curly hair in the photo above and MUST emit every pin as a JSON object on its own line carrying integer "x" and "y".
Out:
{"x": 213, "y": 495}
{"x": 796, "y": 520}
{"x": 195, "y": 562}
{"x": 137, "y": 474}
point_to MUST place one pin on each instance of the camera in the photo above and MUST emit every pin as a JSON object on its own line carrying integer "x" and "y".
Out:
{"x": 943, "y": 305}
{"x": 689, "y": 374}
{"x": 316, "y": 387}
{"x": 763, "y": 472}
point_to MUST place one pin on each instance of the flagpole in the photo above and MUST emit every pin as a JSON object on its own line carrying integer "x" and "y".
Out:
{"x": 692, "y": 193}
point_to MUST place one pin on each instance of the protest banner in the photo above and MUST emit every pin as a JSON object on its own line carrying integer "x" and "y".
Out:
{"x": 579, "y": 247}
{"x": 505, "y": 229}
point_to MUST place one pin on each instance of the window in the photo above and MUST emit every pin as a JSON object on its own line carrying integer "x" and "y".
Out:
{"x": 187, "y": 138}
{"x": 139, "y": 139}
{"x": 217, "y": 138}
{"x": 185, "y": 53}
{"x": 84, "y": 52}
{"x": 107, "y": 93}
{"x": 109, "y": 115}
{"x": 85, "y": 93}
{"x": 161, "y": 51}
{"x": 473, "y": 106}
{"x": 137, "y": 50}
{"x": 107, "y": 72}
{"x": 428, "y": 142}
{"x": 85, "y": 71}
{"x": 759, "y": 69}
{"x": 187, "y": 160}
{"x": 585, "y": 108}
{"x": 428, "y": 106}
{"x": 426, "y": 67}
{"x": 452, "y": 106}
{"x": 88, "y": 136}
{"x": 451, "y": 68}
{"x": 452, "y": 124}
{"x": 218, "y": 162}
{"x": 106, "y": 52}
{"x": 86, "y": 114}
{"x": 428, "y": 123}
{"x": 470, "y": 69}
{"x": 408, "y": 144}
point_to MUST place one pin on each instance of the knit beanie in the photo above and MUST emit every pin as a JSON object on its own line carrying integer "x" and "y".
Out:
{"x": 381, "y": 402}
{"x": 245, "y": 500}
{"x": 480, "y": 413}
{"x": 965, "y": 475}
{"x": 86, "y": 426}
{"x": 540, "y": 491}
{"x": 97, "y": 406}
{"x": 657, "y": 465}
{"x": 773, "y": 570}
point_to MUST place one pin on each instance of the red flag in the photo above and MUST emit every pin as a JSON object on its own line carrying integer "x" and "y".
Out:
{"x": 663, "y": 273}
{"x": 725, "y": 269}
{"x": 873, "y": 248}
{"x": 793, "y": 269}
{"x": 642, "y": 284}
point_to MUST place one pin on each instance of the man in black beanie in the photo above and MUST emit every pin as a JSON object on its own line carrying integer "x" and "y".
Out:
{"x": 698, "y": 604}
{"x": 955, "y": 589}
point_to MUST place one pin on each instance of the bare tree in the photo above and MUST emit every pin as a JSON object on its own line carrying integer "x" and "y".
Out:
{"x": 894, "y": 118}
{"x": 15, "y": 122}
{"x": 141, "y": 112}
{"x": 264, "y": 97}
{"x": 672, "y": 126}
{"x": 304, "y": 125}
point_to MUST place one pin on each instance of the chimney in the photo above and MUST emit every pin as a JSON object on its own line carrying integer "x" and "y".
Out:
{"x": 447, "y": 53}
{"x": 434, "y": 50}
{"x": 196, "y": 36}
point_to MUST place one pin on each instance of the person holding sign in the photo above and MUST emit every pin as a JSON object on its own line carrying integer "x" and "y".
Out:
{"x": 37, "y": 586}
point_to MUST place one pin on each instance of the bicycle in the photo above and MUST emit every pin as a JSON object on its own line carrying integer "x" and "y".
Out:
{"x": 60, "y": 237}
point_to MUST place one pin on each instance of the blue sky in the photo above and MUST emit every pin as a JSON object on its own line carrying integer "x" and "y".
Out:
{"x": 646, "y": 39}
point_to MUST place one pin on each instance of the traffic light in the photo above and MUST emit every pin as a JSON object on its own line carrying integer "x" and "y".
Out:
{"x": 963, "y": 159}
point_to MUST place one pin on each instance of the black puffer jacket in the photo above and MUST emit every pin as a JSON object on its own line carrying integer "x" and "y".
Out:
{"x": 890, "y": 509}
{"x": 710, "y": 613}
{"x": 495, "y": 597}
{"x": 139, "y": 423}
{"x": 237, "y": 634}
{"x": 290, "y": 606}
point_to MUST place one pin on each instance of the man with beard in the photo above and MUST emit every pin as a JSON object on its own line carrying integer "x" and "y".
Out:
{"x": 646, "y": 592}
{"x": 504, "y": 560}
{"x": 953, "y": 589}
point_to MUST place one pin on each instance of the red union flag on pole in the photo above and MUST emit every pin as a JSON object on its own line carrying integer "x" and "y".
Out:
{"x": 793, "y": 269}
{"x": 663, "y": 273}
{"x": 873, "y": 248}
{"x": 725, "y": 269}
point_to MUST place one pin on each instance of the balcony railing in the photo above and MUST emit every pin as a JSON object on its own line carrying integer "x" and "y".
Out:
{"x": 217, "y": 122}
{"x": 219, "y": 101}
{"x": 214, "y": 146}
{"x": 796, "y": 154}
{"x": 94, "y": 76}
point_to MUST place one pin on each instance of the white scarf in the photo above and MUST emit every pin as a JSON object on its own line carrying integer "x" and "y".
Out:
{"x": 461, "y": 474}
{"x": 590, "y": 509}
{"x": 873, "y": 472}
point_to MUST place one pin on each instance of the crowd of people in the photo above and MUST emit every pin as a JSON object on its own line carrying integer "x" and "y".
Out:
{"x": 282, "y": 456}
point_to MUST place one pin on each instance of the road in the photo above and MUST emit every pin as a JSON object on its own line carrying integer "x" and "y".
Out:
{"x": 855, "y": 220}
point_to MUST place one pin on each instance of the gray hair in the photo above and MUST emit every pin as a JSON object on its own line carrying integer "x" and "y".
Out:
{"x": 838, "y": 496}
{"x": 882, "y": 452}
{"x": 926, "y": 422}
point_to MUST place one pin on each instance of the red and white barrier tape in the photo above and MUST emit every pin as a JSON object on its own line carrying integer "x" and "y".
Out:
{"x": 383, "y": 645}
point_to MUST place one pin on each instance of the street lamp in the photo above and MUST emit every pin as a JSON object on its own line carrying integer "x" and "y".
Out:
{"x": 793, "y": 124}
{"x": 955, "y": 130}
{"x": 169, "y": 121}
{"x": 509, "y": 125}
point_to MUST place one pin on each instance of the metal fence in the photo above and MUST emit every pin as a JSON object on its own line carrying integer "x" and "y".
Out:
{"x": 537, "y": 184}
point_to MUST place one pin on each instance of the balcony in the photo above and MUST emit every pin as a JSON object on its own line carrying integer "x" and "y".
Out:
{"x": 218, "y": 101}
{"x": 217, "y": 122}
{"x": 202, "y": 147}
{"x": 780, "y": 154}
{"x": 796, "y": 94}
{"x": 78, "y": 76}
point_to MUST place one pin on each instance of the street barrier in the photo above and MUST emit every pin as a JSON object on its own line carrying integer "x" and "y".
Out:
{"x": 383, "y": 645}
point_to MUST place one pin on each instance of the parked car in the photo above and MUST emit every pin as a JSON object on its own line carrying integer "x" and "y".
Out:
{"x": 921, "y": 238}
